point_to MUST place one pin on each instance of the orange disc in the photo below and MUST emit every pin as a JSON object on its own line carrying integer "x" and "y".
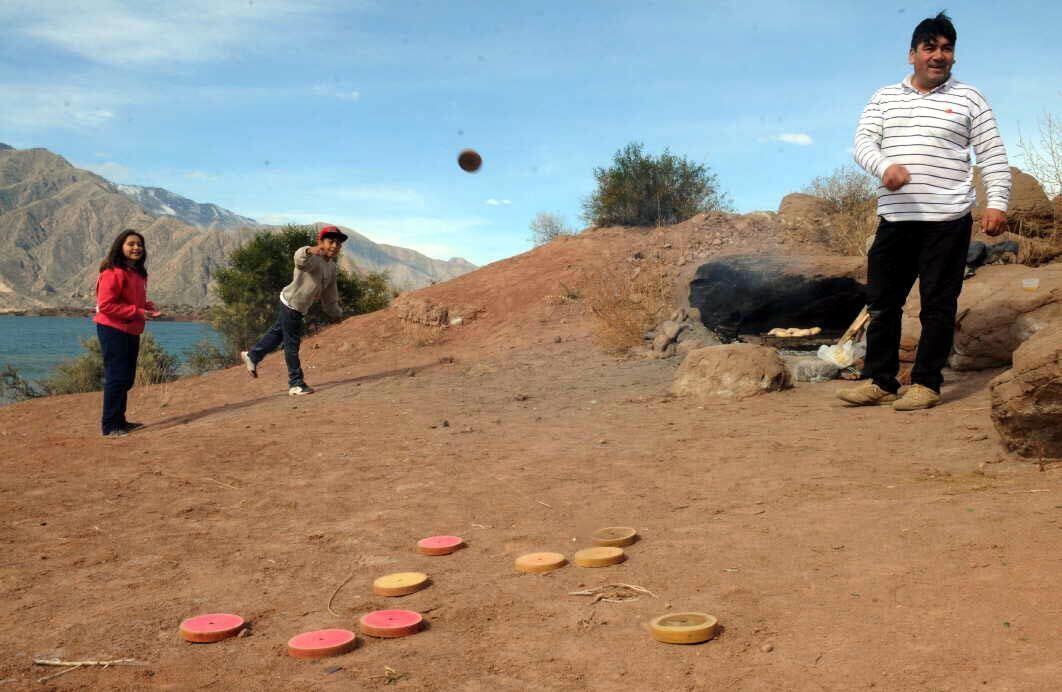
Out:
{"x": 391, "y": 623}
{"x": 439, "y": 545}
{"x": 322, "y": 643}
{"x": 540, "y": 562}
{"x": 212, "y": 627}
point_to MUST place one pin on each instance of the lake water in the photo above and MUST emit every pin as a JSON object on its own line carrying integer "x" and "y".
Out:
{"x": 34, "y": 345}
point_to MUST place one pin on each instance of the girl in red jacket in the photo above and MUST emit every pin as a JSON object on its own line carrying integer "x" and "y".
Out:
{"x": 121, "y": 308}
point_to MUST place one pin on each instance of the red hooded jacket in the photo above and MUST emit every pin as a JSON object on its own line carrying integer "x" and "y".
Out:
{"x": 121, "y": 299}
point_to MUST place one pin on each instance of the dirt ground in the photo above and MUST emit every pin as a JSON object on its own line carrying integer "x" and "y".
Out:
{"x": 839, "y": 548}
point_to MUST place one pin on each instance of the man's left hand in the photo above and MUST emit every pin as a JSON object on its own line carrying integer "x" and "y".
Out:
{"x": 993, "y": 222}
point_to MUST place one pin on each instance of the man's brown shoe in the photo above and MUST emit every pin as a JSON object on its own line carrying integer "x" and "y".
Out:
{"x": 866, "y": 394}
{"x": 917, "y": 397}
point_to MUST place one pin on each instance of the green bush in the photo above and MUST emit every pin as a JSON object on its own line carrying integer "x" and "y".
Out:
{"x": 545, "y": 227}
{"x": 249, "y": 289}
{"x": 205, "y": 356}
{"x": 643, "y": 190}
{"x": 85, "y": 372}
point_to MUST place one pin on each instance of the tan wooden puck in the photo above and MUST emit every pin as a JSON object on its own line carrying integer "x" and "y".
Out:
{"x": 540, "y": 562}
{"x": 601, "y": 556}
{"x": 684, "y": 628}
{"x": 399, "y": 583}
{"x": 615, "y": 536}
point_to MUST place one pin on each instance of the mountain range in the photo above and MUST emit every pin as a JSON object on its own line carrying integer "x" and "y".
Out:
{"x": 57, "y": 222}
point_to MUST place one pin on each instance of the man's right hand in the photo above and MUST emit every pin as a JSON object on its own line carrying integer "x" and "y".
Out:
{"x": 896, "y": 176}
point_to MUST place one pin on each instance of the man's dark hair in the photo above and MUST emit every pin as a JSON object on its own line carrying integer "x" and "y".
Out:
{"x": 116, "y": 259}
{"x": 931, "y": 27}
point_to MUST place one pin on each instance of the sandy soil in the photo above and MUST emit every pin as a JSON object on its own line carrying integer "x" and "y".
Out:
{"x": 839, "y": 548}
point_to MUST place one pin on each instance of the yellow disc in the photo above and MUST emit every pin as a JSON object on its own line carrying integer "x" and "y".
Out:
{"x": 684, "y": 628}
{"x": 601, "y": 556}
{"x": 540, "y": 562}
{"x": 615, "y": 536}
{"x": 399, "y": 583}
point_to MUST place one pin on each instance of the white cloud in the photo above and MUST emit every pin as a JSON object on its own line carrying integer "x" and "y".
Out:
{"x": 341, "y": 94}
{"x": 497, "y": 202}
{"x": 121, "y": 32}
{"x": 115, "y": 172}
{"x": 799, "y": 138}
{"x": 43, "y": 106}
{"x": 437, "y": 237}
{"x": 385, "y": 194}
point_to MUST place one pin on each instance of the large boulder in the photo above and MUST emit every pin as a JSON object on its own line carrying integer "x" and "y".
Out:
{"x": 1027, "y": 399}
{"x": 995, "y": 316}
{"x": 1028, "y": 203}
{"x": 798, "y": 207}
{"x": 731, "y": 371}
{"x": 751, "y": 294}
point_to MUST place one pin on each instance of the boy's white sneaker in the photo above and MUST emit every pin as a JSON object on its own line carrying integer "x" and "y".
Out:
{"x": 300, "y": 389}
{"x": 250, "y": 365}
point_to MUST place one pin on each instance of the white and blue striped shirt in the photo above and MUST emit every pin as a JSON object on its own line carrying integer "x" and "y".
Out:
{"x": 930, "y": 135}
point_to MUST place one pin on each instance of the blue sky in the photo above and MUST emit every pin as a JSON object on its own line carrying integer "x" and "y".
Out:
{"x": 354, "y": 112}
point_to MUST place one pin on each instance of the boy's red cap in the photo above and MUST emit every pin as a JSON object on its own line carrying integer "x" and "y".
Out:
{"x": 331, "y": 231}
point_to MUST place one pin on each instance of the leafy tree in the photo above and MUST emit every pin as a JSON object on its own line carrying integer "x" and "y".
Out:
{"x": 546, "y": 226}
{"x": 643, "y": 190}
{"x": 250, "y": 285}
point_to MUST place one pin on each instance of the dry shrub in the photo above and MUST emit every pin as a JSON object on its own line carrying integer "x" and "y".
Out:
{"x": 420, "y": 335}
{"x": 850, "y": 201}
{"x": 1037, "y": 248}
{"x": 626, "y": 299}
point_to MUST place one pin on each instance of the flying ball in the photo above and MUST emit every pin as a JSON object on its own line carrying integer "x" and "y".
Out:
{"x": 469, "y": 160}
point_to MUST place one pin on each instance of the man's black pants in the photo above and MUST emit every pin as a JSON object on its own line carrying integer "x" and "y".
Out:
{"x": 287, "y": 330}
{"x": 934, "y": 252}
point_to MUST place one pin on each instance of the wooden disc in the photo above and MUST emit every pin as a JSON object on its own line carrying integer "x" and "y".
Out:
{"x": 615, "y": 536}
{"x": 439, "y": 545}
{"x": 212, "y": 627}
{"x": 390, "y": 623}
{"x": 601, "y": 556}
{"x": 540, "y": 562}
{"x": 684, "y": 628}
{"x": 322, "y": 643}
{"x": 399, "y": 583}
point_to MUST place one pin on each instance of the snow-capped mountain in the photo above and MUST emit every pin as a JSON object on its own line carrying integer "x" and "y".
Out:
{"x": 159, "y": 201}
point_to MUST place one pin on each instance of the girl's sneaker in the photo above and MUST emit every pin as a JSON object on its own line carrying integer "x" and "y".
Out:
{"x": 300, "y": 389}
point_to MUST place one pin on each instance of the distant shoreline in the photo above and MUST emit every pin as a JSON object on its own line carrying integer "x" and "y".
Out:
{"x": 171, "y": 313}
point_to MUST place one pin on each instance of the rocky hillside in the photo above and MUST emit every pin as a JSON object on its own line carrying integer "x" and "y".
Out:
{"x": 57, "y": 221}
{"x": 161, "y": 202}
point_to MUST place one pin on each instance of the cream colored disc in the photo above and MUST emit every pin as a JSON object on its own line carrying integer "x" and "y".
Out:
{"x": 540, "y": 562}
{"x": 684, "y": 628}
{"x": 399, "y": 583}
{"x": 601, "y": 556}
{"x": 615, "y": 536}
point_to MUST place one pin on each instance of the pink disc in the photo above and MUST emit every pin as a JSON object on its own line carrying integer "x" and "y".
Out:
{"x": 390, "y": 623}
{"x": 321, "y": 643}
{"x": 439, "y": 545}
{"x": 211, "y": 627}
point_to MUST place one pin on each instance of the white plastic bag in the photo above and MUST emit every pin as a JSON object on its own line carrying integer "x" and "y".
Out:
{"x": 840, "y": 355}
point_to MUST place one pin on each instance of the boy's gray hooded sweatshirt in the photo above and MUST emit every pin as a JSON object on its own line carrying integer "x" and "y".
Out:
{"x": 314, "y": 278}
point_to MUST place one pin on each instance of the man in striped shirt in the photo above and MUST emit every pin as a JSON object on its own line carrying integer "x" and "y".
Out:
{"x": 916, "y": 138}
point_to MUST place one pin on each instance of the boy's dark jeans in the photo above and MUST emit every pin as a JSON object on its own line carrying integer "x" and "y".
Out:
{"x": 120, "y": 350}
{"x": 934, "y": 252}
{"x": 286, "y": 330}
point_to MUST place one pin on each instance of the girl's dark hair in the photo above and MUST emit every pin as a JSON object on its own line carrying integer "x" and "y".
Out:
{"x": 116, "y": 259}
{"x": 928, "y": 30}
